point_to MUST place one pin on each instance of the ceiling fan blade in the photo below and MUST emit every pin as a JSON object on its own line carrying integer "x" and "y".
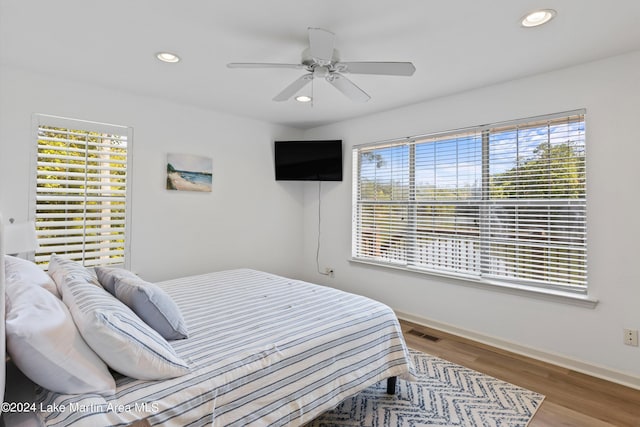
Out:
{"x": 383, "y": 68}
{"x": 293, "y": 88}
{"x": 263, "y": 65}
{"x": 347, "y": 87}
{"x": 321, "y": 44}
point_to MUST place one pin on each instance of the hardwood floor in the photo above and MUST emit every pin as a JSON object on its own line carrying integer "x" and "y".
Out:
{"x": 572, "y": 398}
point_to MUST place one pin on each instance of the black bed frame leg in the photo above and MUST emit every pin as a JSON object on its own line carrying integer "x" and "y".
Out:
{"x": 391, "y": 385}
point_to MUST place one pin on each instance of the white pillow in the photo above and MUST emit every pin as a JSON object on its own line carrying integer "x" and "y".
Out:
{"x": 46, "y": 346}
{"x": 117, "y": 335}
{"x": 22, "y": 270}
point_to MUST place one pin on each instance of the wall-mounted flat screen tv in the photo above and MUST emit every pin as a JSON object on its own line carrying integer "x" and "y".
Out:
{"x": 308, "y": 160}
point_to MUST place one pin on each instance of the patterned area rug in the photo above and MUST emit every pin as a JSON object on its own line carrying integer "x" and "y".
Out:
{"x": 445, "y": 394}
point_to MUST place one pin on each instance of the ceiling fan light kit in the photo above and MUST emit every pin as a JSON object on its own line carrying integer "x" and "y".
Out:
{"x": 322, "y": 61}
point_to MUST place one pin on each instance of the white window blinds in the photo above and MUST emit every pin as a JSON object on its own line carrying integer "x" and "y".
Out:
{"x": 81, "y": 191}
{"x": 503, "y": 203}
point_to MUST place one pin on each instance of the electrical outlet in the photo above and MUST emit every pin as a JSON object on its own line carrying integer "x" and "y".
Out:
{"x": 631, "y": 337}
{"x": 328, "y": 271}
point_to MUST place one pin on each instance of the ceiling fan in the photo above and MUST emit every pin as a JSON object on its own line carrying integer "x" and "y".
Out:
{"x": 321, "y": 60}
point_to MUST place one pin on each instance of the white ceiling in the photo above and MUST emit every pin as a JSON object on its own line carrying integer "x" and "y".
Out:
{"x": 455, "y": 45}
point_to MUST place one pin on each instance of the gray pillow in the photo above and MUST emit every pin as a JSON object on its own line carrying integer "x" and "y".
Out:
{"x": 153, "y": 305}
{"x": 108, "y": 276}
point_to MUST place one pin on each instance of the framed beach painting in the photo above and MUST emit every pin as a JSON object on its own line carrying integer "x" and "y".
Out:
{"x": 186, "y": 172}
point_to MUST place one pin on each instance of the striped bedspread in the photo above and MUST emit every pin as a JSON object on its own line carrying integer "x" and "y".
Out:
{"x": 263, "y": 349}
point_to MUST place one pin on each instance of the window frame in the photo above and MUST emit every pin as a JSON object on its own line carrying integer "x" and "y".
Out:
{"x": 124, "y": 132}
{"x": 483, "y": 205}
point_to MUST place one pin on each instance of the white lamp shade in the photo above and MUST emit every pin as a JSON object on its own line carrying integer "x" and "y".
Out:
{"x": 20, "y": 238}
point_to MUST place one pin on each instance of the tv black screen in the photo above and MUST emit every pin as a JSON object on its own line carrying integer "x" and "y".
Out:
{"x": 308, "y": 160}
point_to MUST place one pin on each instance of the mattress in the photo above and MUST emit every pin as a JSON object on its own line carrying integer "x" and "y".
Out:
{"x": 263, "y": 350}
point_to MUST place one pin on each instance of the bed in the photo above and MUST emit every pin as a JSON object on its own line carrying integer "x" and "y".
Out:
{"x": 262, "y": 350}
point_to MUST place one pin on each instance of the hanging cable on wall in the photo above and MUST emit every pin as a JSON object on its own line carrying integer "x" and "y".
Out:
{"x": 327, "y": 272}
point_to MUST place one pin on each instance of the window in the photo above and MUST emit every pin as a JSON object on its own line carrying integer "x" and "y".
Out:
{"x": 503, "y": 204}
{"x": 81, "y": 189}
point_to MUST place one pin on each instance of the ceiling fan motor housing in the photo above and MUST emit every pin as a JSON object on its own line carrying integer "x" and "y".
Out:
{"x": 320, "y": 72}
{"x": 312, "y": 62}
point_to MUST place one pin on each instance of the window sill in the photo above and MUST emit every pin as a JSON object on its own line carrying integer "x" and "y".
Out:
{"x": 513, "y": 289}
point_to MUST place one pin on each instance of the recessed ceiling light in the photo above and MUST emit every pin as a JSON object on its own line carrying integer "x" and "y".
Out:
{"x": 168, "y": 57}
{"x": 538, "y": 17}
{"x": 303, "y": 98}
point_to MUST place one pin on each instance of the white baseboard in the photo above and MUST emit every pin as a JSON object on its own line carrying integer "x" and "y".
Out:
{"x": 555, "y": 359}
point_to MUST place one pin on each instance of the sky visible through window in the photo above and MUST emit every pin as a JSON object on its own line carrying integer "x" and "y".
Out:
{"x": 455, "y": 163}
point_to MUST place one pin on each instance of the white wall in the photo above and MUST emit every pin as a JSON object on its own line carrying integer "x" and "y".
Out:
{"x": 251, "y": 220}
{"x": 248, "y": 220}
{"x": 586, "y": 338}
